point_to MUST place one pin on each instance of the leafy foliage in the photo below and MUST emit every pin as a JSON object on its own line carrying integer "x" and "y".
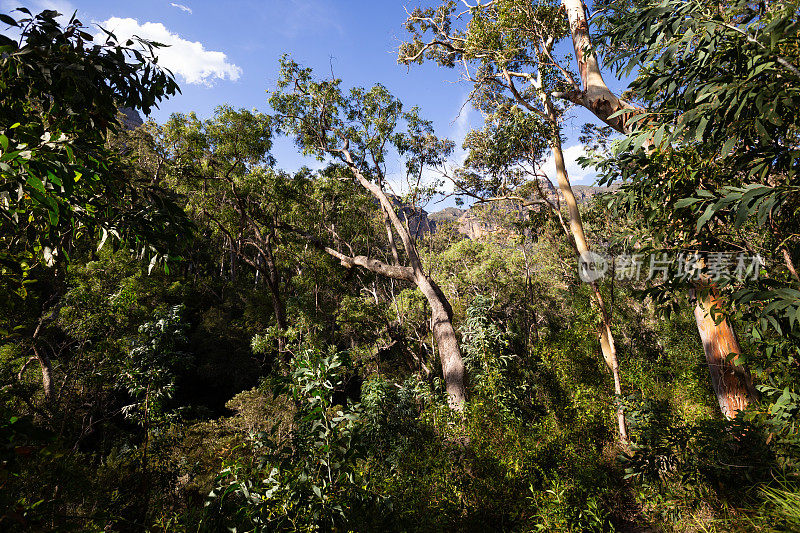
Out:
{"x": 60, "y": 181}
{"x": 713, "y": 165}
{"x": 310, "y": 480}
{"x": 256, "y": 386}
{"x": 150, "y": 370}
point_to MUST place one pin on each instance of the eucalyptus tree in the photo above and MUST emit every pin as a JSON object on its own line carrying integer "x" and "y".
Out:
{"x": 720, "y": 166}
{"x": 506, "y": 51}
{"x": 590, "y": 91}
{"x": 357, "y": 130}
{"x": 224, "y": 170}
{"x": 642, "y": 45}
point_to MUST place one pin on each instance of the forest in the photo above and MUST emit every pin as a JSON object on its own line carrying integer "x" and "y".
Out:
{"x": 193, "y": 338}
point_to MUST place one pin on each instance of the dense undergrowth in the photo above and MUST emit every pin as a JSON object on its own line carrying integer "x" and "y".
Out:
{"x": 356, "y": 436}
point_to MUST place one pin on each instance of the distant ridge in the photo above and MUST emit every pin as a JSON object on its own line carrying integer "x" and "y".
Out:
{"x": 487, "y": 219}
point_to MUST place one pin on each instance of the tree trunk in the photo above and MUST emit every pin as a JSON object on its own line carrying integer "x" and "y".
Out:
{"x": 595, "y": 96}
{"x": 280, "y": 315}
{"x": 598, "y": 98}
{"x": 441, "y": 312}
{"x": 582, "y": 247}
{"x": 273, "y": 280}
{"x": 610, "y": 356}
{"x": 441, "y": 318}
{"x": 732, "y": 383}
{"x": 47, "y": 373}
{"x": 446, "y": 342}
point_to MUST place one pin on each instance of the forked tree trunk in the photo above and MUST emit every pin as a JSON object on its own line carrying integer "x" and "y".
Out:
{"x": 46, "y": 368}
{"x": 441, "y": 318}
{"x": 441, "y": 312}
{"x": 718, "y": 338}
{"x": 42, "y": 358}
{"x": 595, "y": 96}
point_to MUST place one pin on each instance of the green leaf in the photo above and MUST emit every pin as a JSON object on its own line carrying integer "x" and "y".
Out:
{"x": 52, "y": 178}
{"x": 685, "y": 202}
{"x": 8, "y": 20}
{"x": 728, "y": 146}
{"x": 762, "y": 130}
{"x": 7, "y": 156}
{"x": 706, "y": 216}
{"x": 701, "y": 128}
{"x": 35, "y": 182}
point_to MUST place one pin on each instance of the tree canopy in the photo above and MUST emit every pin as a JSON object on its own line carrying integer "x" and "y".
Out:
{"x": 61, "y": 93}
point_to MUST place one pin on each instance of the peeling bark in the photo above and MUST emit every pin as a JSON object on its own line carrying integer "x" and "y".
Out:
{"x": 600, "y": 100}
{"x": 733, "y": 385}
{"x": 595, "y": 96}
{"x": 582, "y": 247}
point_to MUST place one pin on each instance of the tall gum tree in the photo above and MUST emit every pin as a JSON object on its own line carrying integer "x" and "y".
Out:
{"x": 356, "y": 130}
{"x": 505, "y": 49}
{"x": 730, "y": 379}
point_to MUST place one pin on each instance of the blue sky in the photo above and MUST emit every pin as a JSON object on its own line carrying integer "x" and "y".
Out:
{"x": 227, "y": 52}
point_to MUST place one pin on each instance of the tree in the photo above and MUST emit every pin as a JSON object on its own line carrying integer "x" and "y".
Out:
{"x": 506, "y": 50}
{"x": 356, "y": 130}
{"x": 716, "y": 332}
{"x": 224, "y": 168}
{"x": 60, "y": 182}
{"x": 721, "y": 130}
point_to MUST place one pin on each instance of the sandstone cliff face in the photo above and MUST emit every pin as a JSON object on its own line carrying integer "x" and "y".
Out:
{"x": 416, "y": 217}
{"x": 473, "y": 227}
{"x": 492, "y": 219}
{"x": 448, "y": 214}
{"x": 486, "y": 220}
{"x": 130, "y": 118}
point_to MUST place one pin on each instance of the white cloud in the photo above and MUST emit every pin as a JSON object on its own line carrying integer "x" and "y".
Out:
{"x": 182, "y": 7}
{"x": 577, "y": 174}
{"x": 188, "y": 59}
